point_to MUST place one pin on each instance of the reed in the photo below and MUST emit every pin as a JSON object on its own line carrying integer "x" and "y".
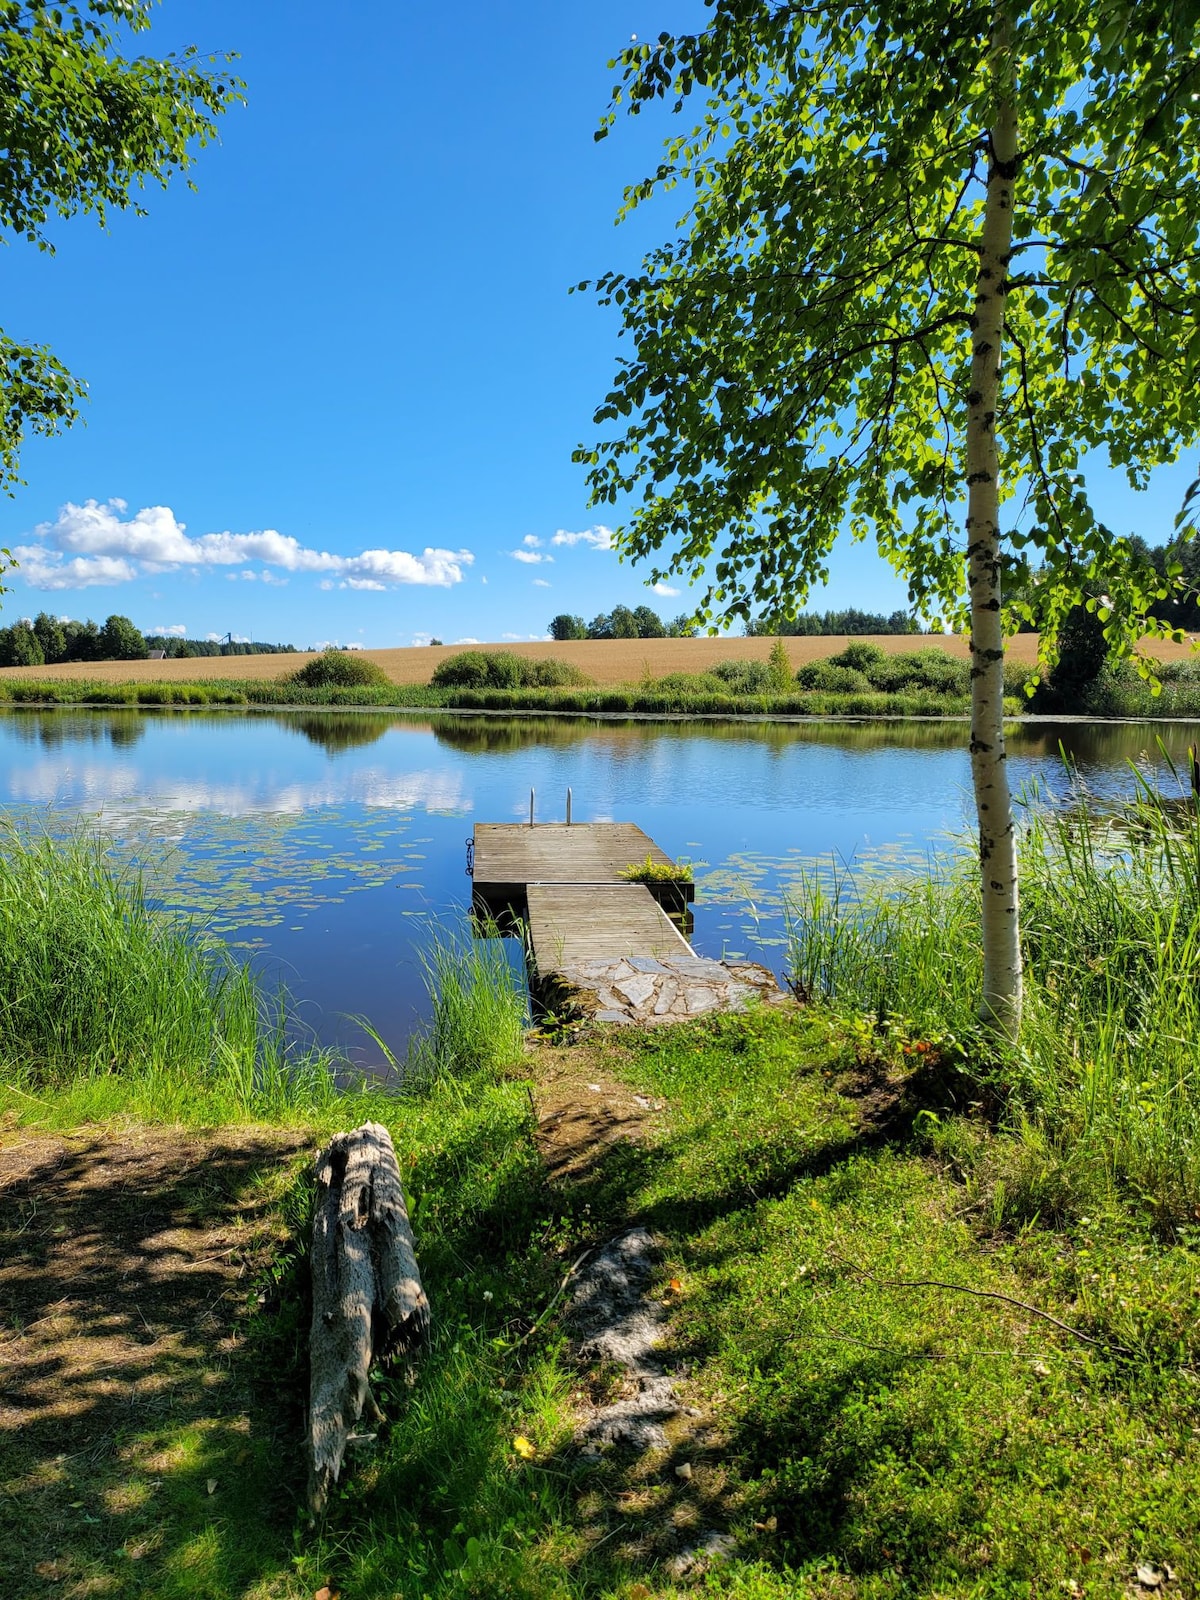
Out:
{"x": 479, "y": 1007}
{"x": 1102, "y": 1086}
{"x": 109, "y": 1003}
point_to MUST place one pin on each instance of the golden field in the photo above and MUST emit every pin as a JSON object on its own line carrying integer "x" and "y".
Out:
{"x": 605, "y": 661}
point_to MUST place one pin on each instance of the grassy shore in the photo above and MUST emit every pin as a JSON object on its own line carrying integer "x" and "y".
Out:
{"x": 935, "y": 1313}
{"x": 727, "y": 678}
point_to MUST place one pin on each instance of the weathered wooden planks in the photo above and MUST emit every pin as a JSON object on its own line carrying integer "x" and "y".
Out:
{"x": 573, "y": 923}
{"x": 508, "y": 856}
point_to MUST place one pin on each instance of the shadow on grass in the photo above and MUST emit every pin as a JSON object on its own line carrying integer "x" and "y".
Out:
{"x": 137, "y": 1452}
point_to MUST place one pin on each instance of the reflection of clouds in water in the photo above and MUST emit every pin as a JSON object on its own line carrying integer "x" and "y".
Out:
{"x": 110, "y": 785}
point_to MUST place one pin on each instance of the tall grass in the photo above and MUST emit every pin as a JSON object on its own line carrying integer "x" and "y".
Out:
{"x": 479, "y": 1007}
{"x": 128, "y": 1006}
{"x": 1104, "y": 1081}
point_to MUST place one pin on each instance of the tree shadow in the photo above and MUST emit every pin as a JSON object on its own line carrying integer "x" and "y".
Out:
{"x": 135, "y": 1439}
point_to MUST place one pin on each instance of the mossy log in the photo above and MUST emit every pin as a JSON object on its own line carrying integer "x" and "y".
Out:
{"x": 368, "y": 1303}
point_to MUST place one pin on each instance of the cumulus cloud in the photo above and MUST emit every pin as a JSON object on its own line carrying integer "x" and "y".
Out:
{"x": 46, "y": 569}
{"x": 664, "y": 588}
{"x": 540, "y": 583}
{"x": 99, "y": 543}
{"x": 530, "y": 557}
{"x": 176, "y": 630}
{"x": 532, "y": 541}
{"x": 598, "y": 538}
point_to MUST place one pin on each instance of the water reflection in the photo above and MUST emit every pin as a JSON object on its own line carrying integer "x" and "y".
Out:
{"x": 50, "y": 730}
{"x": 337, "y": 731}
{"x": 323, "y": 841}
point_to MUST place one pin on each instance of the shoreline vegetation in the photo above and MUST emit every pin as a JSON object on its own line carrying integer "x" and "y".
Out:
{"x": 865, "y": 678}
{"x": 934, "y": 1311}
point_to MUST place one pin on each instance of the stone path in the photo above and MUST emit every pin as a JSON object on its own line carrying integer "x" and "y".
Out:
{"x": 647, "y": 990}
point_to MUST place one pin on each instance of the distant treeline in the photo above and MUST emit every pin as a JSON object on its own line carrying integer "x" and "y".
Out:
{"x": 47, "y": 640}
{"x": 622, "y": 622}
{"x": 813, "y": 624}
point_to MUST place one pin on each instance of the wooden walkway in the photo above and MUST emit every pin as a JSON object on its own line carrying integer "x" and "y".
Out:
{"x": 563, "y": 880}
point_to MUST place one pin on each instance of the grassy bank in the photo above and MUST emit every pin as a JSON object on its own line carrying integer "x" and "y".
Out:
{"x": 1102, "y": 1085}
{"x": 862, "y": 680}
{"x": 905, "y": 1374}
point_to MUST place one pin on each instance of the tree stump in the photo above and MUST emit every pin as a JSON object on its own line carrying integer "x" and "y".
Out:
{"x": 368, "y": 1303}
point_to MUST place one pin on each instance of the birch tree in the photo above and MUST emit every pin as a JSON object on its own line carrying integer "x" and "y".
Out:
{"x": 935, "y": 264}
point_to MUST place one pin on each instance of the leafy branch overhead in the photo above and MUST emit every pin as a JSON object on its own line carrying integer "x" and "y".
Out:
{"x": 83, "y": 126}
{"x": 801, "y": 353}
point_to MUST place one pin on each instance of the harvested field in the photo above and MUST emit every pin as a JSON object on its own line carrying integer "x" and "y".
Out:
{"x": 605, "y": 661}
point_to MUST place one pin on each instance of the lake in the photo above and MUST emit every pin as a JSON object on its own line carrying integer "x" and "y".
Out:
{"x": 325, "y": 844}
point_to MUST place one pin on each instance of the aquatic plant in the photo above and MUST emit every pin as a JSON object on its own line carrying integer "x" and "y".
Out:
{"x": 651, "y": 871}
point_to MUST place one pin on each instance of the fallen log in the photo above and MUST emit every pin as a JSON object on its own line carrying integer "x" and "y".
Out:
{"x": 368, "y": 1303}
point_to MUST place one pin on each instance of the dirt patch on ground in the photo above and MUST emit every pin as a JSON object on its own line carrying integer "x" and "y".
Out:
{"x": 583, "y": 1109}
{"x": 126, "y": 1266}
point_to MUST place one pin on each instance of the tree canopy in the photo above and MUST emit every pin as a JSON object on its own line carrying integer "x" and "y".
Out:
{"x": 83, "y": 126}
{"x": 801, "y": 355}
{"x": 935, "y": 262}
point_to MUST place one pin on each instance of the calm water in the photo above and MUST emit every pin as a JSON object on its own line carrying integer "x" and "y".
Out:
{"x": 324, "y": 844}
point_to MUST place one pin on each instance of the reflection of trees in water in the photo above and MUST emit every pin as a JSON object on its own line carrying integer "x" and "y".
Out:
{"x": 51, "y": 729}
{"x": 625, "y": 738}
{"x": 485, "y": 735}
{"x": 336, "y": 731}
{"x": 1106, "y": 744}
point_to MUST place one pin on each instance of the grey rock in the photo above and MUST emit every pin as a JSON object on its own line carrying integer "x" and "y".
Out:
{"x": 699, "y": 999}
{"x": 645, "y": 963}
{"x": 635, "y": 990}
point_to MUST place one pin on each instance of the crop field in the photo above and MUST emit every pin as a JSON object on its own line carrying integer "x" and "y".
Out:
{"x": 605, "y": 661}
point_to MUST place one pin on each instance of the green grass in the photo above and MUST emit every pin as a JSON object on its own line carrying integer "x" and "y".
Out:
{"x": 107, "y": 1003}
{"x": 1103, "y": 1083}
{"x": 859, "y": 1280}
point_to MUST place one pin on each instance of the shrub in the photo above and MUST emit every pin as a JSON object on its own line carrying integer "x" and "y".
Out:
{"x": 859, "y": 656}
{"x": 922, "y": 669}
{"x": 339, "y": 669}
{"x": 745, "y": 677}
{"x": 501, "y": 669}
{"x": 831, "y": 679}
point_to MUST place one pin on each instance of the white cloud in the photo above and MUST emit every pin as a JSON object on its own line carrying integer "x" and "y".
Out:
{"x": 45, "y": 569}
{"x": 599, "y": 537}
{"x": 362, "y": 583}
{"x": 531, "y": 557}
{"x": 177, "y": 630}
{"x": 466, "y": 641}
{"x": 98, "y": 544}
{"x": 664, "y": 588}
{"x": 532, "y": 541}
{"x": 274, "y": 582}
{"x": 540, "y": 583}
{"x": 249, "y": 575}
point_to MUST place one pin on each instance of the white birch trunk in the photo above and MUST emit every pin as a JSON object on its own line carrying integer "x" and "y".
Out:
{"x": 1001, "y": 1002}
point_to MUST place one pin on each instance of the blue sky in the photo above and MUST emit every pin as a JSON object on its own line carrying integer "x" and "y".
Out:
{"x": 334, "y": 393}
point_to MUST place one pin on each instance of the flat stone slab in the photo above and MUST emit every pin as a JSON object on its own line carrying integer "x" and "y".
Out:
{"x": 641, "y": 992}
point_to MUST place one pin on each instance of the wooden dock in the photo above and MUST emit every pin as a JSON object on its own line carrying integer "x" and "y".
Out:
{"x": 563, "y": 880}
{"x": 602, "y": 949}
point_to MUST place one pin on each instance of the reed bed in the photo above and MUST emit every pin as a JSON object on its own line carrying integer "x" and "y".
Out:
{"x": 107, "y": 999}
{"x": 1102, "y": 1086}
